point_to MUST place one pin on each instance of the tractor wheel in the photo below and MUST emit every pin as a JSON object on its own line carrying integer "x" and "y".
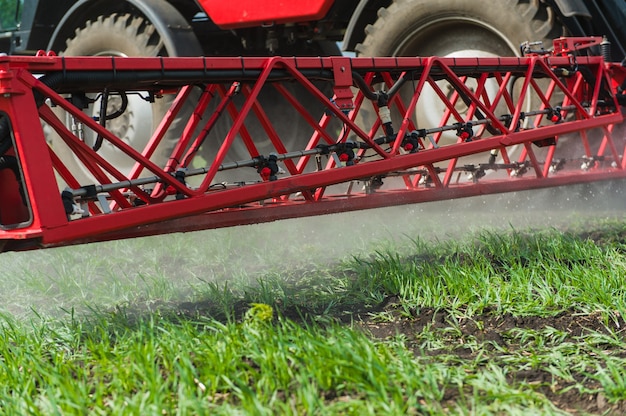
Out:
{"x": 456, "y": 28}
{"x": 479, "y": 28}
{"x": 122, "y": 35}
{"x": 134, "y": 35}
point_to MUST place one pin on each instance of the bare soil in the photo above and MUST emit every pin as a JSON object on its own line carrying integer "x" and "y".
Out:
{"x": 491, "y": 328}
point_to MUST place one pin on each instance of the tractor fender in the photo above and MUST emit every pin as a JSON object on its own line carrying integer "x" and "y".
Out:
{"x": 358, "y": 20}
{"x": 176, "y": 32}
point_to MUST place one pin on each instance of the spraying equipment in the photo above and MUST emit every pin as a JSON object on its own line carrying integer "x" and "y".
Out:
{"x": 548, "y": 118}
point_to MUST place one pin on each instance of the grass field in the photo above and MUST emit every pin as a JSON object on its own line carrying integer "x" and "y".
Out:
{"x": 335, "y": 315}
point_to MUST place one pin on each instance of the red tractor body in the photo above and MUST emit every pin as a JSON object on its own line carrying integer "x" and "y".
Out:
{"x": 250, "y": 13}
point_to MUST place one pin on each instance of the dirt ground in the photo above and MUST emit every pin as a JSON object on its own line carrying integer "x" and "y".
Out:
{"x": 492, "y": 328}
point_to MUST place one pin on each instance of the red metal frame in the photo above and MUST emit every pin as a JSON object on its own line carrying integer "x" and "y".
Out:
{"x": 544, "y": 108}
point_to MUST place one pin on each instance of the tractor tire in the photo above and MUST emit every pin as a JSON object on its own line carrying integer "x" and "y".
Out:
{"x": 121, "y": 35}
{"x": 133, "y": 35}
{"x": 478, "y": 28}
{"x": 458, "y": 27}
{"x": 292, "y": 129}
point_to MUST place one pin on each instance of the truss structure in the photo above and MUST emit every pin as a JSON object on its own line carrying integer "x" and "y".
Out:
{"x": 246, "y": 140}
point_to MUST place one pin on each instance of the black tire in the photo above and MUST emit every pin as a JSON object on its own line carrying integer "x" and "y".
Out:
{"x": 458, "y": 27}
{"x": 442, "y": 27}
{"x": 133, "y": 35}
{"x": 122, "y": 35}
{"x": 288, "y": 124}
{"x": 479, "y": 28}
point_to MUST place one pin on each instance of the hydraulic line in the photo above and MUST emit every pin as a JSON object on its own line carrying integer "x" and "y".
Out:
{"x": 547, "y": 111}
{"x": 374, "y": 96}
{"x": 91, "y": 190}
{"x": 95, "y": 81}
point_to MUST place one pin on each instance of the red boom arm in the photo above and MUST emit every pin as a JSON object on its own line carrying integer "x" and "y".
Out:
{"x": 507, "y": 124}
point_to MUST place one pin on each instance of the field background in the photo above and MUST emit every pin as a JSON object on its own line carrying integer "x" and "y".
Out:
{"x": 497, "y": 305}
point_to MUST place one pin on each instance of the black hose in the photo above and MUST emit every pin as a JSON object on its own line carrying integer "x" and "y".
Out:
{"x": 5, "y": 135}
{"x": 590, "y": 78}
{"x": 104, "y": 101}
{"x": 396, "y": 87}
{"x": 365, "y": 89}
{"x": 63, "y": 82}
{"x": 371, "y": 95}
{"x": 120, "y": 110}
{"x": 479, "y": 115}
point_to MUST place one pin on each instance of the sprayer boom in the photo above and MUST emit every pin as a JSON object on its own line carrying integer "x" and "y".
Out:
{"x": 351, "y": 134}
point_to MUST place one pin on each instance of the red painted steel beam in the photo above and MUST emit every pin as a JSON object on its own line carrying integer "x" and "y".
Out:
{"x": 337, "y": 135}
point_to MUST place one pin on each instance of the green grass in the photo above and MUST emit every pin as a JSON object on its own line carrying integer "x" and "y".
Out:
{"x": 204, "y": 367}
{"x": 534, "y": 273}
{"x": 511, "y": 321}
